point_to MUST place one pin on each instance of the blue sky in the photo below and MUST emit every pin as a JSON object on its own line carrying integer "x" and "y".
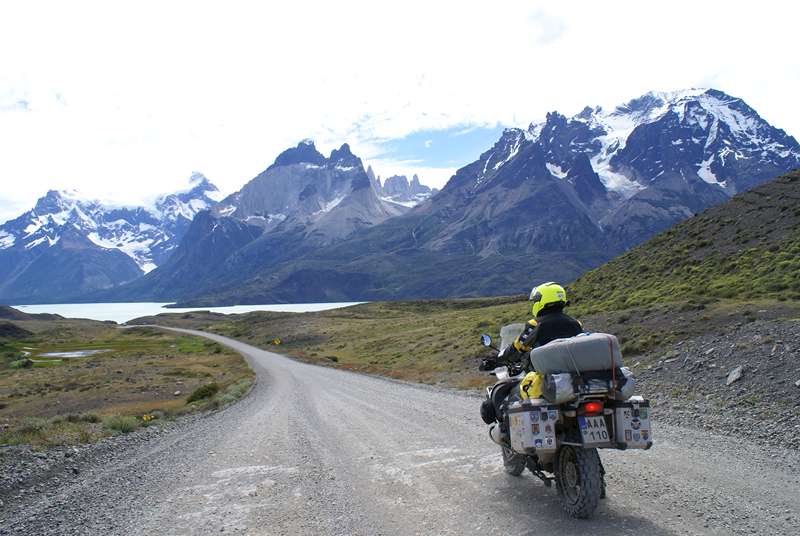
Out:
{"x": 447, "y": 148}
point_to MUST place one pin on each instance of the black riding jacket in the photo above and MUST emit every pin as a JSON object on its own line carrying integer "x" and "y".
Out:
{"x": 551, "y": 324}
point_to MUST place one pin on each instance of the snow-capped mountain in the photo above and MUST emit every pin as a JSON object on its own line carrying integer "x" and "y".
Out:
{"x": 137, "y": 238}
{"x": 652, "y": 161}
{"x": 713, "y": 135}
{"x": 546, "y": 202}
{"x": 331, "y": 197}
{"x": 146, "y": 234}
{"x": 303, "y": 201}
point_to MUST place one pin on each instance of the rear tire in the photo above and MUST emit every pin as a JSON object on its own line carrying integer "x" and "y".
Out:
{"x": 514, "y": 463}
{"x": 579, "y": 480}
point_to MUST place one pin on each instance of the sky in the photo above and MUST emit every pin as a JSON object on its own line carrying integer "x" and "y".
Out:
{"x": 122, "y": 101}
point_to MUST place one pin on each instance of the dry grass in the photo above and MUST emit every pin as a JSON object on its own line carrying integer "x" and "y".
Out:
{"x": 437, "y": 342}
{"x": 138, "y": 373}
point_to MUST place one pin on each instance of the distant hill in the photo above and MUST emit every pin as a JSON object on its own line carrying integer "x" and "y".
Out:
{"x": 745, "y": 249}
{"x": 9, "y": 313}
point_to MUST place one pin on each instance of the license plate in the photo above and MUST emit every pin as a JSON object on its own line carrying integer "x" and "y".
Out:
{"x": 593, "y": 430}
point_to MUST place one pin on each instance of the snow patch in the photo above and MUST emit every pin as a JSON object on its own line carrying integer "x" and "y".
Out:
{"x": 706, "y": 174}
{"x": 556, "y": 171}
{"x": 511, "y": 154}
{"x": 407, "y": 204}
{"x": 39, "y": 241}
{"x": 214, "y": 195}
{"x": 135, "y": 247}
{"x": 330, "y": 205}
{"x": 6, "y": 240}
{"x": 227, "y": 211}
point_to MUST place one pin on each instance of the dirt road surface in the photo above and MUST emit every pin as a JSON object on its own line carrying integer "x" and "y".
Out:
{"x": 319, "y": 451}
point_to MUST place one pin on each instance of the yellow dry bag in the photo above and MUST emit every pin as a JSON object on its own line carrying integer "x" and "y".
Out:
{"x": 531, "y": 385}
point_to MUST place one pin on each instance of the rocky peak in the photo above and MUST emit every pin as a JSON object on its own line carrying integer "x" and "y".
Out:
{"x": 396, "y": 185}
{"x": 304, "y": 153}
{"x": 343, "y": 157}
{"x": 555, "y": 120}
{"x": 417, "y": 187}
{"x": 398, "y": 189}
{"x": 200, "y": 188}
{"x": 55, "y": 201}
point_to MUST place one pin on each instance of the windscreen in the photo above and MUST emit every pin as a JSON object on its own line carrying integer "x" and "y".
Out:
{"x": 509, "y": 334}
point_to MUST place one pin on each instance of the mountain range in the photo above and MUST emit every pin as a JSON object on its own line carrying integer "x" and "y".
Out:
{"x": 549, "y": 201}
{"x": 65, "y": 246}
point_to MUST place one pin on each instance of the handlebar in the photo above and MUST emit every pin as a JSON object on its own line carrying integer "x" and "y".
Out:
{"x": 502, "y": 359}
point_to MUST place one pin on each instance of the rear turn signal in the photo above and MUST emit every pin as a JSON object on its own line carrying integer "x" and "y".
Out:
{"x": 592, "y": 408}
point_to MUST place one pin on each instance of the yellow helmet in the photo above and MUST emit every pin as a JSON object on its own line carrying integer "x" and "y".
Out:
{"x": 545, "y": 295}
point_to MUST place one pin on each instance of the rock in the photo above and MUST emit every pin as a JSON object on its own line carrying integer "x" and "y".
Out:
{"x": 710, "y": 351}
{"x": 797, "y": 383}
{"x": 734, "y": 375}
{"x": 177, "y": 393}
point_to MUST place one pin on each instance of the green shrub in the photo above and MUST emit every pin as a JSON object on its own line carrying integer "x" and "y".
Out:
{"x": 121, "y": 423}
{"x": 33, "y": 425}
{"x": 234, "y": 392}
{"x": 21, "y": 363}
{"x": 203, "y": 392}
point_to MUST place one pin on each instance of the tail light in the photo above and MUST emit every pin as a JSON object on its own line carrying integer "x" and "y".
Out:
{"x": 592, "y": 408}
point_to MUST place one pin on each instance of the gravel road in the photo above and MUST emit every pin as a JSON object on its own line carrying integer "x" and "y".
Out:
{"x": 319, "y": 451}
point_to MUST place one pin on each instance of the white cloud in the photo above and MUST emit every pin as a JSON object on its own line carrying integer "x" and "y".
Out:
{"x": 122, "y": 101}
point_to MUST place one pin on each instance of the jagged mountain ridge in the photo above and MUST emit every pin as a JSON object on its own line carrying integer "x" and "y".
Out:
{"x": 398, "y": 189}
{"x": 102, "y": 246}
{"x": 330, "y": 197}
{"x": 547, "y": 202}
{"x": 303, "y": 201}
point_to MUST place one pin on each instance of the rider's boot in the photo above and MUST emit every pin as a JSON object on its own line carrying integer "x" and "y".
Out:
{"x": 499, "y": 435}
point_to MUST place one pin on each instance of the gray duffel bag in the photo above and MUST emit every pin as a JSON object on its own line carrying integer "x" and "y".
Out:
{"x": 584, "y": 352}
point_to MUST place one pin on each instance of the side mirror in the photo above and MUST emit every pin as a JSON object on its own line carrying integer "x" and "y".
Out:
{"x": 486, "y": 340}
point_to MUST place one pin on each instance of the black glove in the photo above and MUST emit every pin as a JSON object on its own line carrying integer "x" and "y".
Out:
{"x": 488, "y": 364}
{"x": 509, "y": 353}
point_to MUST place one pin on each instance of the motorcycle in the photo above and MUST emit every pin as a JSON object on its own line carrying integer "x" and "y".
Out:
{"x": 585, "y": 404}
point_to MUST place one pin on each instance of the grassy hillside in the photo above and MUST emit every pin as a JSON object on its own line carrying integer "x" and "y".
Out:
{"x": 745, "y": 249}
{"x": 102, "y": 379}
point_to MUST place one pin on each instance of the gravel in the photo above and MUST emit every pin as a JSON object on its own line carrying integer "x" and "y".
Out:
{"x": 738, "y": 382}
{"x": 315, "y": 450}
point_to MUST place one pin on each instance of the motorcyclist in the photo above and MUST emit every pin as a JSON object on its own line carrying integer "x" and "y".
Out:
{"x": 549, "y": 323}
